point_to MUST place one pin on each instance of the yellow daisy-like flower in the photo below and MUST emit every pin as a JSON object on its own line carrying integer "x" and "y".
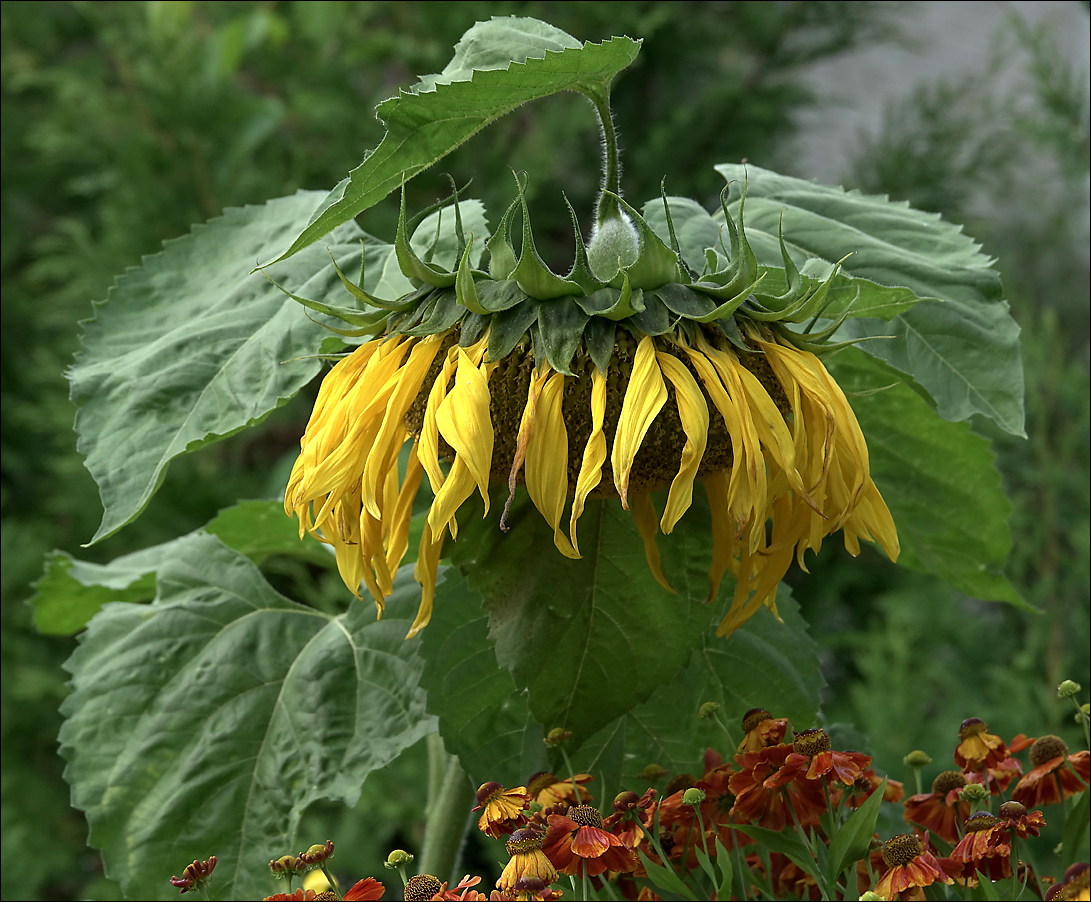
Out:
{"x": 744, "y": 411}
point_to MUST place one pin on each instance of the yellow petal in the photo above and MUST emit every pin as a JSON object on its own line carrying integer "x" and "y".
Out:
{"x": 644, "y": 515}
{"x": 428, "y": 442}
{"x": 644, "y": 398}
{"x": 397, "y": 537}
{"x": 594, "y": 454}
{"x": 463, "y": 420}
{"x": 526, "y": 426}
{"x": 693, "y": 412}
{"x": 547, "y": 460}
{"x": 391, "y": 435}
{"x": 425, "y": 574}
{"x": 458, "y": 486}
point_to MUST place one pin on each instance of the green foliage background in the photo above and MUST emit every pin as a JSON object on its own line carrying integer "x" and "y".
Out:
{"x": 125, "y": 123}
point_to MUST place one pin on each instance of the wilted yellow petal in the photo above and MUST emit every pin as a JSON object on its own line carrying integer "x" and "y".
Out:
{"x": 397, "y": 535}
{"x": 594, "y": 454}
{"x": 526, "y": 426}
{"x": 693, "y": 412}
{"x": 463, "y": 420}
{"x": 391, "y": 435}
{"x": 458, "y": 486}
{"x": 428, "y": 442}
{"x": 644, "y": 398}
{"x": 644, "y": 515}
{"x": 425, "y": 574}
{"x": 547, "y": 460}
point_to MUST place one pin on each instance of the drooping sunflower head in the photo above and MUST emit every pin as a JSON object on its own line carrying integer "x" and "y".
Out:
{"x": 614, "y": 381}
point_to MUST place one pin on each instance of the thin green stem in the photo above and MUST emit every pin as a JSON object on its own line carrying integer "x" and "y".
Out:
{"x": 607, "y": 206}
{"x": 730, "y": 740}
{"x": 330, "y": 880}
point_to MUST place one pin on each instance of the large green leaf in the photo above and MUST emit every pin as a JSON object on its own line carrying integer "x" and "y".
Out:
{"x": 960, "y": 344}
{"x": 587, "y": 638}
{"x": 498, "y": 66}
{"x": 206, "y": 722}
{"x": 191, "y": 347}
{"x": 763, "y": 664}
{"x": 482, "y": 717}
{"x": 696, "y": 229}
{"x": 71, "y": 592}
{"x": 938, "y": 478}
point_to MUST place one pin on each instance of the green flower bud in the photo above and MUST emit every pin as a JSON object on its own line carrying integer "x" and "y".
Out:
{"x": 397, "y": 859}
{"x": 615, "y": 243}
{"x": 1067, "y": 689}
{"x": 917, "y": 758}
{"x": 707, "y": 710}
{"x": 693, "y": 796}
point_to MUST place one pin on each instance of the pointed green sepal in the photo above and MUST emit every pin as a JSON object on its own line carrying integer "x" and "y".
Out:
{"x": 358, "y": 292}
{"x": 410, "y": 264}
{"x": 533, "y": 276}
{"x": 614, "y": 303}
{"x": 599, "y": 337}
{"x": 465, "y": 291}
{"x": 501, "y": 253}
{"x": 581, "y": 273}
{"x": 345, "y": 314}
{"x": 560, "y": 324}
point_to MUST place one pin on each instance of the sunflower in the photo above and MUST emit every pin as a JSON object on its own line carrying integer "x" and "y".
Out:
{"x": 597, "y": 385}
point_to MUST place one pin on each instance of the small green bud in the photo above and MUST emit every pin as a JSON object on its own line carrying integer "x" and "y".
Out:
{"x": 397, "y": 859}
{"x": 1067, "y": 689}
{"x": 653, "y": 772}
{"x": 693, "y": 796}
{"x": 869, "y": 896}
{"x": 974, "y": 792}
{"x": 917, "y": 758}
{"x": 615, "y": 243}
{"x": 557, "y": 736}
{"x": 707, "y": 710}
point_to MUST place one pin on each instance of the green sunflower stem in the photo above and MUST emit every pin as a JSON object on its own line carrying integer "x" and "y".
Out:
{"x": 448, "y": 819}
{"x": 607, "y": 205}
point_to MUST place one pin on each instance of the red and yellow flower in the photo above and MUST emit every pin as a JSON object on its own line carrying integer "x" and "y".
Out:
{"x": 1056, "y": 773}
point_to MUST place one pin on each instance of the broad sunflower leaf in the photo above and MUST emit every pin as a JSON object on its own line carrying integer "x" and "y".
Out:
{"x": 498, "y": 65}
{"x": 206, "y": 722}
{"x": 938, "y": 478}
{"x": 587, "y": 638}
{"x": 191, "y": 347}
{"x": 959, "y": 343}
{"x": 763, "y": 664}
{"x": 71, "y": 592}
{"x": 482, "y": 717}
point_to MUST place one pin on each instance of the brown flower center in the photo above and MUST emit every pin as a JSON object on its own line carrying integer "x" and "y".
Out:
{"x": 971, "y": 726}
{"x": 679, "y": 783}
{"x": 948, "y": 780}
{"x": 585, "y": 815}
{"x": 975, "y": 823}
{"x": 421, "y": 887}
{"x": 753, "y": 717}
{"x": 656, "y": 463}
{"x": 812, "y": 742}
{"x": 540, "y": 782}
{"x": 524, "y": 841}
{"x": 1011, "y": 811}
{"x": 901, "y": 850}
{"x": 1046, "y": 748}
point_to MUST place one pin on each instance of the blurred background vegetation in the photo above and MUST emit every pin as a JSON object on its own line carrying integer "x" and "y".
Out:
{"x": 123, "y": 123}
